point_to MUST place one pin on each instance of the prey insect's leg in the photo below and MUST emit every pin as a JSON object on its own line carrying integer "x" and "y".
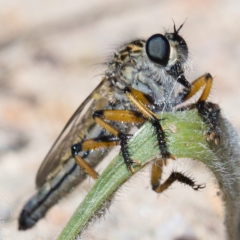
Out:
{"x": 138, "y": 99}
{"x": 118, "y": 138}
{"x": 208, "y": 111}
{"x": 174, "y": 176}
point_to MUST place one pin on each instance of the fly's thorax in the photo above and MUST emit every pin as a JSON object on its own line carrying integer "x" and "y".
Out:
{"x": 139, "y": 72}
{"x": 131, "y": 67}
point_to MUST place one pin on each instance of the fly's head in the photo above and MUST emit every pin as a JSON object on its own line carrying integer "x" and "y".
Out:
{"x": 151, "y": 66}
{"x": 168, "y": 51}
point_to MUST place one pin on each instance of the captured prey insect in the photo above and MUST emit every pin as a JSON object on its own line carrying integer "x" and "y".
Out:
{"x": 140, "y": 81}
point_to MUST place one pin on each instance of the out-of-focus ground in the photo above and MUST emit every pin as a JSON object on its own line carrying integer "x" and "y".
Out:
{"x": 49, "y": 55}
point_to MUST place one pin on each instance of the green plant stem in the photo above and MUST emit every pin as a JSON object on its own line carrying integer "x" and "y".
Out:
{"x": 185, "y": 138}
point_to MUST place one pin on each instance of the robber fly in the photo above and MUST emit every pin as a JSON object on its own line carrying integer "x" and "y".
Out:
{"x": 139, "y": 82}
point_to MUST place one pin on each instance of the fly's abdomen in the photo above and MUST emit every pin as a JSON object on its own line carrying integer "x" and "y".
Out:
{"x": 68, "y": 177}
{"x": 59, "y": 173}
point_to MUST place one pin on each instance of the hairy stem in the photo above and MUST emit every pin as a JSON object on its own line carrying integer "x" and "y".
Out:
{"x": 185, "y": 138}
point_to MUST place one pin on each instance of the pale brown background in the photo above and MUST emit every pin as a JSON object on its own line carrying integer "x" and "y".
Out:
{"x": 49, "y": 51}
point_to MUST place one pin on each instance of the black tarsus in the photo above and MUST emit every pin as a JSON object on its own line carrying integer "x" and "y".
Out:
{"x": 124, "y": 150}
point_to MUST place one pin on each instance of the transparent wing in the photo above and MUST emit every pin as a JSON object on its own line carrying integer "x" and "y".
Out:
{"x": 75, "y": 130}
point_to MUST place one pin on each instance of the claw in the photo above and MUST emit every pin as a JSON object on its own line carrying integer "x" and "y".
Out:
{"x": 199, "y": 186}
{"x": 130, "y": 167}
{"x": 165, "y": 161}
{"x": 212, "y": 135}
{"x": 138, "y": 162}
{"x": 172, "y": 156}
{"x": 209, "y": 135}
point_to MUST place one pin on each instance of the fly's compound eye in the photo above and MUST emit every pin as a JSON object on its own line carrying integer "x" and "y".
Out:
{"x": 158, "y": 49}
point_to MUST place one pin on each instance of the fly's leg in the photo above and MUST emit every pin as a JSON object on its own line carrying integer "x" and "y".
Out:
{"x": 157, "y": 169}
{"x": 138, "y": 99}
{"x": 126, "y": 116}
{"x": 210, "y": 112}
{"x": 91, "y": 144}
{"x": 117, "y": 138}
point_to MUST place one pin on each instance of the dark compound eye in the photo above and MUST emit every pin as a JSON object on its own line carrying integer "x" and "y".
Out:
{"x": 158, "y": 49}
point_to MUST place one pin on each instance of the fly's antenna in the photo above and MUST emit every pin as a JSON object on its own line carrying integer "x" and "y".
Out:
{"x": 176, "y": 31}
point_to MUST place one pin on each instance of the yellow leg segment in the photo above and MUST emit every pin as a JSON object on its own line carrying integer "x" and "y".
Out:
{"x": 198, "y": 84}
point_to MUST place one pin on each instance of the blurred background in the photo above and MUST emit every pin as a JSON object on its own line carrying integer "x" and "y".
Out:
{"x": 49, "y": 62}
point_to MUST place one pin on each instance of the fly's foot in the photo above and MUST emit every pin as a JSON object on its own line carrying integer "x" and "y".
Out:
{"x": 210, "y": 112}
{"x": 130, "y": 167}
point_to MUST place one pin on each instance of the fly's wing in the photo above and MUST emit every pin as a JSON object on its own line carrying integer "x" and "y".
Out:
{"x": 75, "y": 130}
